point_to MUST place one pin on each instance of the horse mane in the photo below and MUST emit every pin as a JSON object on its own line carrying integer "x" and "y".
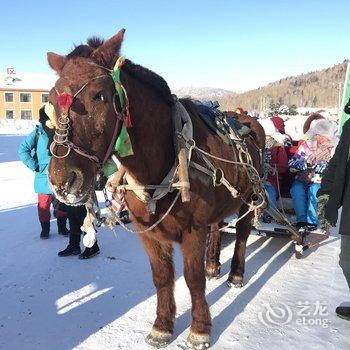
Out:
{"x": 95, "y": 42}
{"x": 140, "y": 73}
{"x": 150, "y": 78}
{"x": 80, "y": 51}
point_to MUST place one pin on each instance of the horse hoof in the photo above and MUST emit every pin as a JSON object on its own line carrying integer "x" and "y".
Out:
{"x": 198, "y": 341}
{"x": 158, "y": 339}
{"x": 235, "y": 281}
{"x": 212, "y": 272}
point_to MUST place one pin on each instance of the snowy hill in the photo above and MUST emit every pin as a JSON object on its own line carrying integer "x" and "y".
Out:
{"x": 318, "y": 88}
{"x": 201, "y": 92}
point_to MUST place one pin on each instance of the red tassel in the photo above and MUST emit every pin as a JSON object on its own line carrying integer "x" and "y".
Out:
{"x": 65, "y": 100}
{"x": 127, "y": 120}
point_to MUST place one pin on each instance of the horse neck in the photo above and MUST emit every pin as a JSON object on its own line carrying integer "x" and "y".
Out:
{"x": 151, "y": 134}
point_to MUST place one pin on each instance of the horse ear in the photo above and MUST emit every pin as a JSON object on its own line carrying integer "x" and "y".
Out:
{"x": 56, "y": 61}
{"x": 109, "y": 50}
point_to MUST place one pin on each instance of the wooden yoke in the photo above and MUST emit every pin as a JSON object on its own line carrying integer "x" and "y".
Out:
{"x": 183, "y": 175}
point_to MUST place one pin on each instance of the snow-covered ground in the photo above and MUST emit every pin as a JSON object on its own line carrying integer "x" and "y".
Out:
{"x": 16, "y": 127}
{"x": 108, "y": 302}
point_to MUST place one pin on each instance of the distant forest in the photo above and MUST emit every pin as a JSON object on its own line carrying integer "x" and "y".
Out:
{"x": 316, "y": 89}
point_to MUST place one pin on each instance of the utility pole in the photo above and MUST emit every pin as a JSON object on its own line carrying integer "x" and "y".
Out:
{"x": 339, "y": 96}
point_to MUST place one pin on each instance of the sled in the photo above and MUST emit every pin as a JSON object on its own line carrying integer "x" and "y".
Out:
{"x": 303, "y": 239}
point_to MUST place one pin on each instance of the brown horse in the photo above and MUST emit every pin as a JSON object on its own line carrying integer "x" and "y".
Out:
{"x": 212, "y": 267}
{"x": 92, "y": 122}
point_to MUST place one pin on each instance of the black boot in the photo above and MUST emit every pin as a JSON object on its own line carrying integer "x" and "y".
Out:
{"x": 90, "y": 252}
{"x": 343, "y": 312}
{"x": 124, "y": 217}
{"x": 73, "y": 247}
{"x": 267, "y": 219}
{"x": 45, "y": 229}
{"x": 61, "y": 225}
{"x": 301, "y": 224}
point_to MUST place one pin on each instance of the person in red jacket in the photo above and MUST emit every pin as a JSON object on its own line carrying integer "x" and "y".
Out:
{"x": 276, "y": 159}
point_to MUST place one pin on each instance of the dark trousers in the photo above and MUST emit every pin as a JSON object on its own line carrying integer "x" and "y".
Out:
{"x": 344, "y": 256}
{"x": 76, "y": 216}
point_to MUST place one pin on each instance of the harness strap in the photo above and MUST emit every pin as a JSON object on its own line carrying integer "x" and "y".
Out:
{"x": 111, "y": 144}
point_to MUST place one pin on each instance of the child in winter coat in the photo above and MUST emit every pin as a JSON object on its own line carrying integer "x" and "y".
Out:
{"x": 309, "y": 163}
{"x": 34, "y": 153}
{"x": 276, "y": 159}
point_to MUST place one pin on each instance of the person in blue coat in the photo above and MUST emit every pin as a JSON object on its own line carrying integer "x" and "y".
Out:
{"x": 34, "y": 153}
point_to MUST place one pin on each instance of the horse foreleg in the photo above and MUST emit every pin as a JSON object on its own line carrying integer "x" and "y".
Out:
{"x": 193, "y": 251}
{"x": 212, "y": 266}
{"x": 243, "y": 228}
{"x": 161, "y": 260}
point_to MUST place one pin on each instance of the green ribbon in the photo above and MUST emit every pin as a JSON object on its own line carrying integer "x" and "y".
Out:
{"x": 109, "y": 168}
{"x": 123, "y": 144}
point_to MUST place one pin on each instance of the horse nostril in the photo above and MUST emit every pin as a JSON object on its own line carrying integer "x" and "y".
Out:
{"x": 73, "y": 182}
{"x": 72, "y": 178}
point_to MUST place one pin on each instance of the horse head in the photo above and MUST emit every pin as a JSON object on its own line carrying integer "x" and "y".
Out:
{"x": 83, "y": 99}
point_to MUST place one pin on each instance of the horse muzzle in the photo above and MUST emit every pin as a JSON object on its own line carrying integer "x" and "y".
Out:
{"x": 72, "y": 190}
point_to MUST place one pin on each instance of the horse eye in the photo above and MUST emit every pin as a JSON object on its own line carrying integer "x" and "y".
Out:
{"x": 99, "y": 97}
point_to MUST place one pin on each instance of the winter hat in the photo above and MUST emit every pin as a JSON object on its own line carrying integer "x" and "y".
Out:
{"x": 278, "y": 122}
{"x": 324, "y": 128}
{"x": 310, "y": 119}
{"x": 43, "y": 117}
{"x": 271, "y": 131}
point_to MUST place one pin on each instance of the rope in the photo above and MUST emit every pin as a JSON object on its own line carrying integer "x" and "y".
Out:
{"x": 228, "y": 161}
{"x": 148, "y": 228}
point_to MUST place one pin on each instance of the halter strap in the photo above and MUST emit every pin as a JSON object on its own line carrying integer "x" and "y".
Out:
{"x": 61, "y": 134}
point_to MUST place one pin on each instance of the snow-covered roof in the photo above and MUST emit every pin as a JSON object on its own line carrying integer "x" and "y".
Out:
{"x": 27, "y": 81}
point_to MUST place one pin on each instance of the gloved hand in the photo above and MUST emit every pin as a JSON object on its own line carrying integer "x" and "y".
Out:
{"x": 320, "y": 167}
{"x": 267, "y": 156}
{"x": 297, "y": 163}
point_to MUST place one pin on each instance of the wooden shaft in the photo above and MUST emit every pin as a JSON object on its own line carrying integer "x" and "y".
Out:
{"x": 183, "y": 176}
{"x": 117, "y": 179}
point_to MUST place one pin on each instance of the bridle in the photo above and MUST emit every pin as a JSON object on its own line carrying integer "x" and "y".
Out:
{"x": 65, "y": 101}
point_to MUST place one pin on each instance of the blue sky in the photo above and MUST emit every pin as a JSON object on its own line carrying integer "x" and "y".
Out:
{"x": 235, "y": 45}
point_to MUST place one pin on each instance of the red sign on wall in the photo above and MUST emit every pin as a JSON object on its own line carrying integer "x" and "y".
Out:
{"x": 10, "y": 70}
